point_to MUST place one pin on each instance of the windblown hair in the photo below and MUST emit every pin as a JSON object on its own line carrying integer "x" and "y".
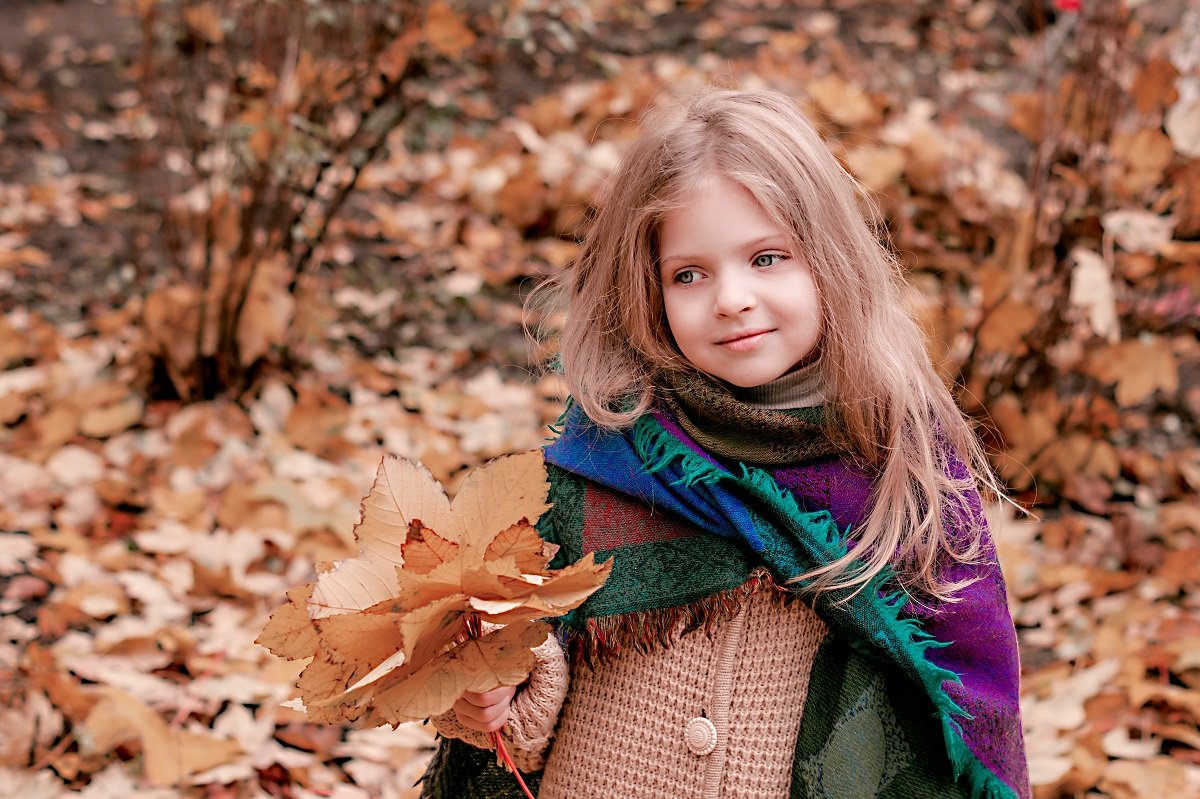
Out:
{"x": 895, "y": 413}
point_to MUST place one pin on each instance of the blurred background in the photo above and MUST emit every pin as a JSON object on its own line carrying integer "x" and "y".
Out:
{"x": 249, "y": 246}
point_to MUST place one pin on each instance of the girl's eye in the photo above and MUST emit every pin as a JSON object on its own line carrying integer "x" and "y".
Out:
{"x": 685, "y": 277}
{"x": 769, "y": 259}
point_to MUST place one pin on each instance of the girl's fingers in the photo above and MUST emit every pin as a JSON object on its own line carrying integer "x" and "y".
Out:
{"x": 495, "y": 696}
{"x": 484, "y": 711}
{"x": 478, "y": 717}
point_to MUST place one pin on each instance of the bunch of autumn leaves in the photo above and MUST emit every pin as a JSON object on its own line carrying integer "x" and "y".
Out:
{"x": 393, "y": 632}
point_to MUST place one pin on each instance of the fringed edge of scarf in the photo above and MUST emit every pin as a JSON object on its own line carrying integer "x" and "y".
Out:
{"x": 556, "y": 427}
{"x": 602, "y": 638}
{"x": 658, "y": 449}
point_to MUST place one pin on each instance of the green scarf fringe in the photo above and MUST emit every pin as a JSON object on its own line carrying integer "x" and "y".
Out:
{"x": 659, "y": 449}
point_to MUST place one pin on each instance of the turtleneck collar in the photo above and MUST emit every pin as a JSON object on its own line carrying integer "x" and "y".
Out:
{"x": 801, "y": 388}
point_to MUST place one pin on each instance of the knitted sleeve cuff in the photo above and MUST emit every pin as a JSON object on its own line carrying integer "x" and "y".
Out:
{"x": 533, "y": 715}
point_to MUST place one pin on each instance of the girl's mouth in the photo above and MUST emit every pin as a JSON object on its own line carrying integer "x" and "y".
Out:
{"x": 744, "y": 340}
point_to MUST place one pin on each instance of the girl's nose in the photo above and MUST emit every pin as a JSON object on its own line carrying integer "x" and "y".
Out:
{"x": 733, "y": 296}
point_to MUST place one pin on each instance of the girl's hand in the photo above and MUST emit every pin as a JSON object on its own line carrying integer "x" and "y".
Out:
{"x": 487, "y": 711}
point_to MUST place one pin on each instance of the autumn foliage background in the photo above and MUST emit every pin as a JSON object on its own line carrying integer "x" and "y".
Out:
{"x": 248, "y": 248}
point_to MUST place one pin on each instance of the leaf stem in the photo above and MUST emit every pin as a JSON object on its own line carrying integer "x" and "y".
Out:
{"x": 503, "y": 752}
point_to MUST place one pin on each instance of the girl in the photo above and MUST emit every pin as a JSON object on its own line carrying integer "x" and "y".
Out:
{"x": 804, "y": 600}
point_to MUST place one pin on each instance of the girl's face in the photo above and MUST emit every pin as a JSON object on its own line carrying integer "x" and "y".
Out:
{"x": 740, "y": 304}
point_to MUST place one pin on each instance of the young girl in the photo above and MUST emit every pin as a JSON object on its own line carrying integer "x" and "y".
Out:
{"x": 804, "y": 600}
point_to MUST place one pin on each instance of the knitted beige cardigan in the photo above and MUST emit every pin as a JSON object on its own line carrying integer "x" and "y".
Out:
{"x": 708, "y": 717}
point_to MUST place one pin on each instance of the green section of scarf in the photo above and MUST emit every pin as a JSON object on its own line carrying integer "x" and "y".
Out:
{"x": 728, "y": 428}
{"x": 866, "y": 733}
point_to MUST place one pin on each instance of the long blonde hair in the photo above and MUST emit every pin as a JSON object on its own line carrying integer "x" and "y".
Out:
{"x": 894, "y": 411}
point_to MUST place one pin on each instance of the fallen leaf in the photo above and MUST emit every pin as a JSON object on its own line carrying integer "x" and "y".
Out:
{"x": 425, "y": 550}
{"x": 15, "y": 551}
{"x": 1146, "y": 154}
{"x": 289, "y": 632}
{"x": 1154, "y": 779}
{"x": 204, "y": 21}
{"x": 171, "y": 755}
{"x": 1063, "y": 708}
{"x": 1092, "y": 290}
{"x": 1027, "y": 114}
{"x": 1117, "y": 742}
{"x": 1183, "y": 126}
{"x": 1006, "y": 325}
{"x": 842, "y": 100}
{"x": 1154, "y": 86}
{"x": 504, "y": 657}
{"x": 108, "y": 420}
{"x": 1138, "y": 231}
{"x": 398, "y": 497}
{"x": 445, "y": 30}
{"x": 30, "y": 784}
{"x": 391, "y": 630}
{"x": 1137, "y": 367}
{"x": 876, "y": 167}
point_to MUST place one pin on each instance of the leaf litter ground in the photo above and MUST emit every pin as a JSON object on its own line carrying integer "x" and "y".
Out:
{"x": 146, "y": 543}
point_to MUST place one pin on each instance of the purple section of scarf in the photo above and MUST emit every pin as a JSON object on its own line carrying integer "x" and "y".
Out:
{"x": 983, "y": 650}
{"x": 983, "y": 646}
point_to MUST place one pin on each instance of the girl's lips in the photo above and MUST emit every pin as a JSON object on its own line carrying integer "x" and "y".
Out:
{"x": 743, "y": 341}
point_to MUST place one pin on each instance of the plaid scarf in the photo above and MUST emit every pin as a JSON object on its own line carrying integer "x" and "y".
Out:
{"x": 927, "y": 698}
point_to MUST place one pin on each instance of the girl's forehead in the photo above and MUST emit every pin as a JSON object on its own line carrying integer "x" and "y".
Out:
{"x": 691, "y": 183}
{"x": 706, "y": 184}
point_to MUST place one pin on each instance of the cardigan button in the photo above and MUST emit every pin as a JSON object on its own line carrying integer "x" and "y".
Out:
{"x": 701, "y": 736}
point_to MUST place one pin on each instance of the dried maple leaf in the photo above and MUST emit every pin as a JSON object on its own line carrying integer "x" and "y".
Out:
{"x": 389, "y": 630}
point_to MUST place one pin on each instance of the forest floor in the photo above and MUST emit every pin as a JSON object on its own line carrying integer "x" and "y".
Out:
{"x": 1053, "y": 247}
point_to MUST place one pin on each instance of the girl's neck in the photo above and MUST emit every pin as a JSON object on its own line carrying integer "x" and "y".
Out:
{"x": 799, "y": 388}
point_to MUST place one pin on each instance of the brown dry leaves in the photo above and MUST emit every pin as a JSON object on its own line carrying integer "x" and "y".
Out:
{"x": 388, "y": 631}
{"x": 171, "y": 754}
{"x": 146, "y": 541}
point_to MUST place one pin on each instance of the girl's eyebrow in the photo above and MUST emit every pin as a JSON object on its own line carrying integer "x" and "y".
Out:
{"x": 746, "y": 245}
